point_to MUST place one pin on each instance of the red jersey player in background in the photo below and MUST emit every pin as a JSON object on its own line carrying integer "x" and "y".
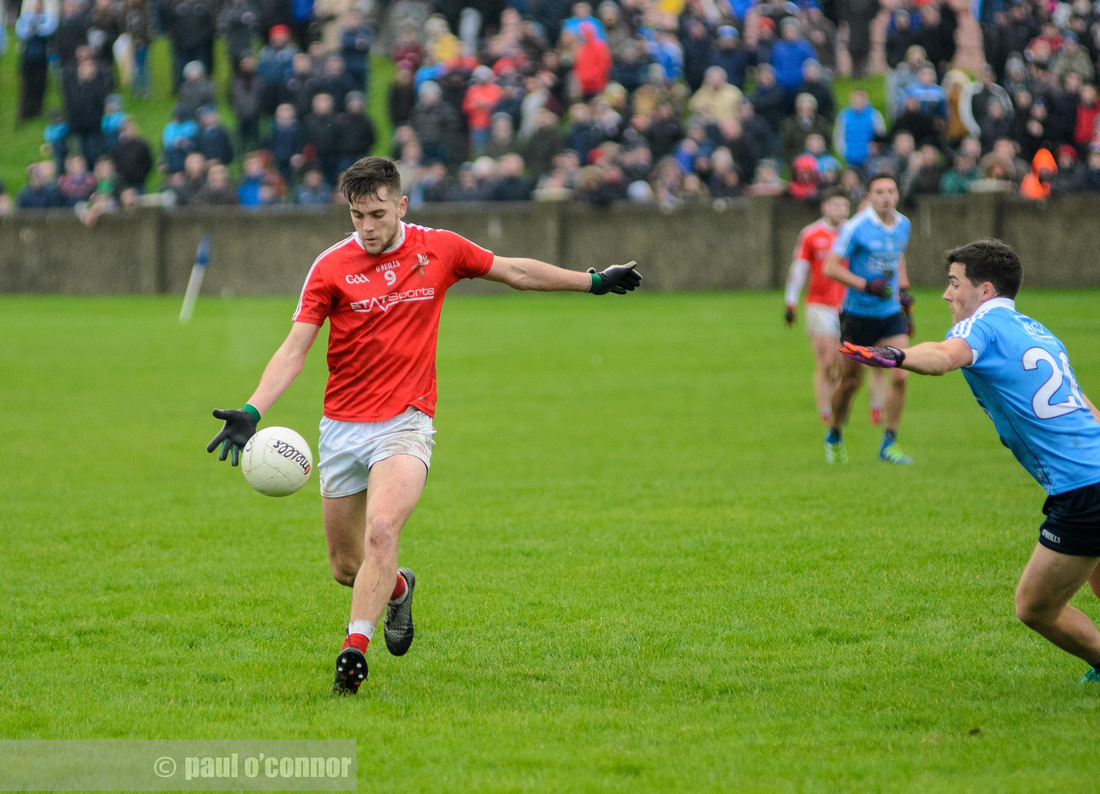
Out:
{"x": 823, "y": 301}
{"x": 381, "y": 290}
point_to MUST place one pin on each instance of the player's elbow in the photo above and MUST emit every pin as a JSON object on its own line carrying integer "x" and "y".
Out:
{"x": 521, "y": 280}
{"x": 530, "y": 274}
{"x": 292, "y": 360}
{"x": 512, "y": 273}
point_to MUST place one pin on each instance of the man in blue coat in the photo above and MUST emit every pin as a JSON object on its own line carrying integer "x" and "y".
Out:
{"x": 788, "y": 55}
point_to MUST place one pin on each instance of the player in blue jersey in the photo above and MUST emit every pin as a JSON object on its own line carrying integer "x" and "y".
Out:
{"x": 873, "y": 242}
{"x": 1020, "y": 374}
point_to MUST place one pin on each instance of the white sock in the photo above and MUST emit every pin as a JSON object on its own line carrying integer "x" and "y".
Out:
{"x": 364, "y": 627}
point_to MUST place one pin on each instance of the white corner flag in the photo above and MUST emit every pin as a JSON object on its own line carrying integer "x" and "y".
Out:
{"x": 194, "y": 284}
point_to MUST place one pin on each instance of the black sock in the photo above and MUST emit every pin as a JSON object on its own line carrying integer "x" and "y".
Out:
{"x": 889, "y": 437}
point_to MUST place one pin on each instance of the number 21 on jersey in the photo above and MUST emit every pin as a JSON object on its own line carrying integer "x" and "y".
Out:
{"x": 1041, "y": 402}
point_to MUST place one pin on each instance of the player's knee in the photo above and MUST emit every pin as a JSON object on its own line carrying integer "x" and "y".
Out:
{"x": 344, "y": 570}
{"x": 900, "y": 377}
{"x": 383, "y": 532}
{"x": 1033, "y": 614}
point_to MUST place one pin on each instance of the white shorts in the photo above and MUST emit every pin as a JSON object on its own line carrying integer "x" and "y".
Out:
{"x": 822, "y": 320}
{"x": 347, "y": 450}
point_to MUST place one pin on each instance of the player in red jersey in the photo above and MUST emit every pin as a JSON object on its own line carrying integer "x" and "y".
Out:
{"x": 381, "y": 290}
{"x": 823, "y": 300}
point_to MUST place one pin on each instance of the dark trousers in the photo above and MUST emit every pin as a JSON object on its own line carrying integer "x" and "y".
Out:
{"x": 204, "y": 54}
{"x": 91, "y": 146}
{"x": 60, "y": 152}
{"x": 302, "y": 33}
{"x": 33, "y": 89}
{"x": 249, "y": 131}
{"x": 329, "y": 166}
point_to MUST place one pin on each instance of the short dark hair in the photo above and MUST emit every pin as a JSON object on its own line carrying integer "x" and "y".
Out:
{"x": 832, "y": 193}
{"x": 365, "y": 176}
{"x": 989, "y": 260}
{"x": 884, "y": 174}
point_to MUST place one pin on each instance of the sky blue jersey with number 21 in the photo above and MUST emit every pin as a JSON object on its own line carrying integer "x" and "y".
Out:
{"x": 1022, "y": 378}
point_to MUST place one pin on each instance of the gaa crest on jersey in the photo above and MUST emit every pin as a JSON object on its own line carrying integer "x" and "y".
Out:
{"x": 356, "y": 278}
{"x": 1035, "y": 329}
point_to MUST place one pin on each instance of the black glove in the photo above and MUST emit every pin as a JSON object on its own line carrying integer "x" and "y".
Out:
{"x": 789, "y": 316}
{"x": 238, "y": 428}
{"x": 905, "y": 298}
{"x": 910, "y": 324}
{"x": 878, "y": 288}
{"x": 619, "y": 279}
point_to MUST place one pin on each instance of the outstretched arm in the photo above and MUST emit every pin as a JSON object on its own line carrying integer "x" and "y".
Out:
{"x": 927, "y": 358}
{"x": 938, "y": 358}
{"x": 531, "y": 274}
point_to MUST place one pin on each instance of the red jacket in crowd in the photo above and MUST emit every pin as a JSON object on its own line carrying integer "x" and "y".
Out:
{"x": 478, "y": 105}
{"x": 593, "y": 63}
{"x": 1085, "y": 128}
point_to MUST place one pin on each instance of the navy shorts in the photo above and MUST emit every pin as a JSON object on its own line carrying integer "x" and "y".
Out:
{"x": 1073, "y": 522}
{"x": 868, "y": 330}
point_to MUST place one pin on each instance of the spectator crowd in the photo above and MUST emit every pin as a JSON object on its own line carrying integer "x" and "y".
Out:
{"x": 648, "y": 101}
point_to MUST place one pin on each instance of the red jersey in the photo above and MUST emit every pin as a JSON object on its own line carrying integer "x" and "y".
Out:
{"x": 814, "y": 244}
{"x": 383, "y": 314}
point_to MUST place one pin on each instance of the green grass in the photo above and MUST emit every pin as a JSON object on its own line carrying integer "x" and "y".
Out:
{"x": 875, "y": 86}
{"x": 635, "y": 572}
{"x": 24, "y": 145}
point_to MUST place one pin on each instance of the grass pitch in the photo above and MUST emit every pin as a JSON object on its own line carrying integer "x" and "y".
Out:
{"x": 635, "y": 572}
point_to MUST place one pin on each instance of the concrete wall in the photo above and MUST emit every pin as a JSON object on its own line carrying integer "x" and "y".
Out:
{"x": 742, "y": 244}
{"x": 55, "y": 252}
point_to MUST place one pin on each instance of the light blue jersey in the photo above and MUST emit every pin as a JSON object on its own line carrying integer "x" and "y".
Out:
{"x": 1022, "y": 378}
{"x": 873, "y": 250}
